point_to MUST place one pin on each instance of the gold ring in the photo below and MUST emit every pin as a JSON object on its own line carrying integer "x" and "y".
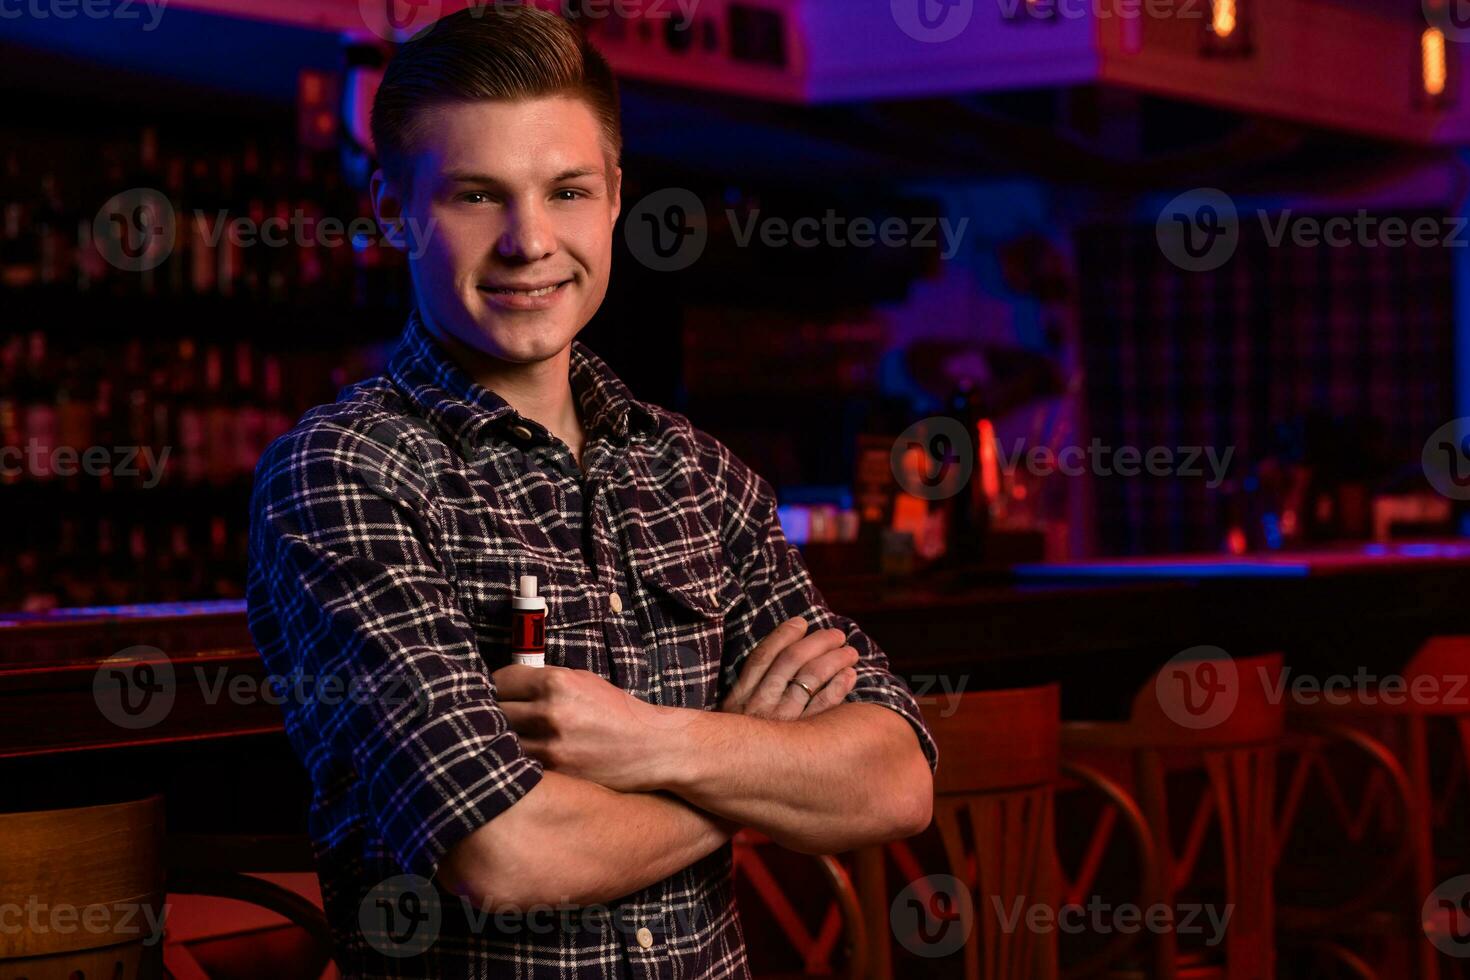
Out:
{"x": 802, "y": 686}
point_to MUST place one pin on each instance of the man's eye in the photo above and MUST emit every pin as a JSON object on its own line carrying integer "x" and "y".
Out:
{"x": 571, "y": 194}
{"x": 474, "y": 197}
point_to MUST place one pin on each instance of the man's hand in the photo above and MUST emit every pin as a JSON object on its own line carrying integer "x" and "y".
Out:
{"x": 575, "y": 722}
{"x": 821, "y": 661}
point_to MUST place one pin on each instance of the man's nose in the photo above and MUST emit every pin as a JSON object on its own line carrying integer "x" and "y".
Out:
{"x": 528, "y": 234}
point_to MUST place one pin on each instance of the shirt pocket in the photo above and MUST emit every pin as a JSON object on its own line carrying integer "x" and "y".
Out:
{"x": 574, "y": 636}
{"x": 691, "y": 593}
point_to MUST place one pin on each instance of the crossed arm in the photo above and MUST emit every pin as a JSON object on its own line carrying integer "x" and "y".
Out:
{"x": 633, "y": 792}
{"x": 602, "y": 821}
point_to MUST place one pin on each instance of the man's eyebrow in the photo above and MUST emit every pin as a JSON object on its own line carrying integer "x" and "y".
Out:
{"x": 468, "y": 177}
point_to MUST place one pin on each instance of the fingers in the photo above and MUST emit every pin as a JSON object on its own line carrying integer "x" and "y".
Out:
{"x": 753, "y": 671}
{"x": 836, "y": 691}
{"x": 517, "y": 682}
{"x": 809, "y": 650}
{"x": 816, "y": 674}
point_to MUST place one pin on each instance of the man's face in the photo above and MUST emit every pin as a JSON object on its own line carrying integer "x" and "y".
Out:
{"x": 517, "y": 209}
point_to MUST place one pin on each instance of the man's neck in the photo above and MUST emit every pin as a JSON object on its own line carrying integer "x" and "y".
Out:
{"x": 541, "y": 391}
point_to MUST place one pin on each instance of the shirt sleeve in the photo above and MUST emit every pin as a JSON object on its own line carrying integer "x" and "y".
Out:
{"x": 777, "y": 585}
{"x": 346, "y": 599}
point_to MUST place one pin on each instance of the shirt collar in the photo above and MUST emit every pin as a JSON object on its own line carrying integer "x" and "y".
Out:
{"x": 462, "y": 408}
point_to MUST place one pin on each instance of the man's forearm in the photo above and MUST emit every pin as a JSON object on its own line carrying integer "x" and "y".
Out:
{"x": 573, "y": 841}
{"x": 851, "y": 776}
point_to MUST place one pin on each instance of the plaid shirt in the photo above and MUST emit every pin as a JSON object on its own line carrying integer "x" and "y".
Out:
{"x": 387, "y": 530}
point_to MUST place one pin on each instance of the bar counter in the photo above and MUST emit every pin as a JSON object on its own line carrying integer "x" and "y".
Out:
{"x": 1094, "y": 626}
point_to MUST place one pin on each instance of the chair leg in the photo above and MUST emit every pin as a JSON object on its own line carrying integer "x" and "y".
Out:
{"x": 1421, "y": 829}
{"x": 1153, "y": 800}
{"x": 873, "y": 893}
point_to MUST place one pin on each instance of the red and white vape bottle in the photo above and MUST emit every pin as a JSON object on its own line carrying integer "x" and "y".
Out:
{"x": 528, "y": 625}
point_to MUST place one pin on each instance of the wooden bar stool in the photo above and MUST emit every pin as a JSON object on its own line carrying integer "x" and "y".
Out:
{"x": 1214, "y": 715}
{"x": 90, "y": 881}
{"x": 842, "y": 920}
{"x": 1433, "y": 699}
{"x": 999, "y": 768}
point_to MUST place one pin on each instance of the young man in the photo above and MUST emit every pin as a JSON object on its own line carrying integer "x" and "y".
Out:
{"x": 696, "y": 681}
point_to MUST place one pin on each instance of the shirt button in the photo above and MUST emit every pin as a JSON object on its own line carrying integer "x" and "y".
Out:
{"x": 615, "y": 601}
{"x": 520, "y": 432}
{"x": 645, "y": 938}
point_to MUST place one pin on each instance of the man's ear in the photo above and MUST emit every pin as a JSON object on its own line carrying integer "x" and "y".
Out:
{"x": 615, "y": 186}
{"x": 388, "y": 209}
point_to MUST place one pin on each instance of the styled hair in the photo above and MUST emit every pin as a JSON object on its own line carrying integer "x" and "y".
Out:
{"x": 489, "y": 51}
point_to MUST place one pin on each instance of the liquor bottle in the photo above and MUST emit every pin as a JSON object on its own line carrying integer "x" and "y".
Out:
{"x": 54, "y": 222}
{"x": 183, "y": 393}
{"x": 147, "y": 175}
{"x": 231, "y": 251}
{"x": 20, "y": 251}
{"x": 11, "y": 407}
{"x": 220, "y": 428}
{"x": 278, "y": 191}
{"x": 179, "y": 263}
{"x": 249, "y": 417}
{"x": 204, "y": 228}
{"x": 250, "y": 192}
{"x": 40, "y": 422}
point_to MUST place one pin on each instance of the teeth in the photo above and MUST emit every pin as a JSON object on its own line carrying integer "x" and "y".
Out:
{"x": 544, "y": 291}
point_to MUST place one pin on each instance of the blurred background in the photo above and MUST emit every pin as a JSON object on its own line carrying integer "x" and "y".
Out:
{"x": 1231, "y": 232}
{"x": 1071, "y": 334}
